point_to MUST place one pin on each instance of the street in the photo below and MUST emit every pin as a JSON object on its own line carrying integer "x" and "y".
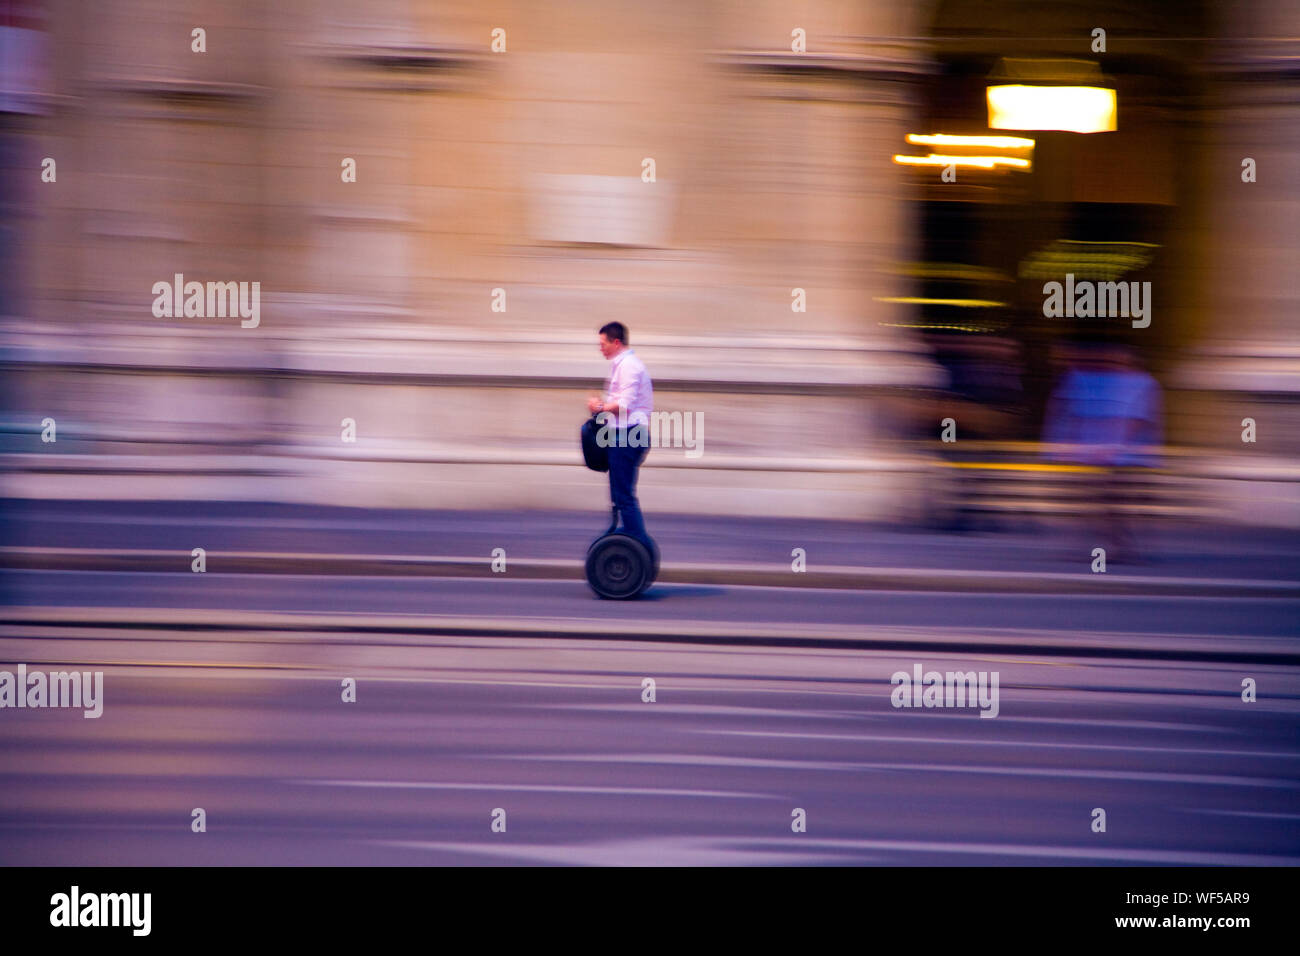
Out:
{"x": 226, "y": 692}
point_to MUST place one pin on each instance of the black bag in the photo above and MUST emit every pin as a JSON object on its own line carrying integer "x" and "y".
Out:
{"x": 594, "y": 454}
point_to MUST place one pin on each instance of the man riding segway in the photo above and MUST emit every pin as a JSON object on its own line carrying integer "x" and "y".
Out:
{"x": 621, "y": 564}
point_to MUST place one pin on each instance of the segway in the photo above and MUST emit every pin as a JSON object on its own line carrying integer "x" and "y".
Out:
{"x": 620, "y": 566}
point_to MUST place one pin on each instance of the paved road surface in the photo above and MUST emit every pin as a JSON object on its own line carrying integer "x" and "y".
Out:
{"x": 248, "y": 723}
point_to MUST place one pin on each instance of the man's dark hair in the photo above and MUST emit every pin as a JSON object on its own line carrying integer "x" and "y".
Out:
{"x": 614, "y": 331}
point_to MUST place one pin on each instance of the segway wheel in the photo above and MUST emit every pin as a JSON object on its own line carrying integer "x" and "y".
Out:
{"x": 654, "y": 556}
{"x": 619, "y": 567}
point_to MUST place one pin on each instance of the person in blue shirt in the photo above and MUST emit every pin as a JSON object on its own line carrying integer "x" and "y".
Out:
{"x": 1106, "y": 413}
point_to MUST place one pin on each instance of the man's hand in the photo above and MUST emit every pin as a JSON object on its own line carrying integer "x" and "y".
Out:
{"x": 594, "y": 404}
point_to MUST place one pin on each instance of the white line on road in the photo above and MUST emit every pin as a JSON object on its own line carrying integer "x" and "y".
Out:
{"x": 966, "y": 742}
{"x": 854, "y": 766}
{"x": 533, "y": 787}
{"x": 791, "y": 850}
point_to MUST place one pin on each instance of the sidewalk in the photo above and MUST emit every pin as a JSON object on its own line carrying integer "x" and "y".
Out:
{"x": 268, "y": 538}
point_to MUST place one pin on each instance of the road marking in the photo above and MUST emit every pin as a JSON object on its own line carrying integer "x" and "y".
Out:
{"x": 892, "y": 766}
{"x": 533, "y": 788}
{"x": 688, "y": 851}
{"x": 965, "y": 742}
{"x": 1243, "y": 813}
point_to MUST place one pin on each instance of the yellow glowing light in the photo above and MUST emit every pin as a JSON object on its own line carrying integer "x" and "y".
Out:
{"x": 984, "y": 142}
{"x": 948, "y": 328}
{"x": 982, "y": 162}
{"x": 1024, "y": 466}
{"x": 1075, "y": 109}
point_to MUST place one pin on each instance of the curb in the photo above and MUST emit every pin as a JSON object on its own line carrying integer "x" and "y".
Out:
{"x": 269, "y": 627}
{"x": 562, "y": 569}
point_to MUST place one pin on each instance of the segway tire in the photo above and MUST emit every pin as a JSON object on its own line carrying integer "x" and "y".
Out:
{"x": 654, "y": 555}
{"x": 619, "y": 567}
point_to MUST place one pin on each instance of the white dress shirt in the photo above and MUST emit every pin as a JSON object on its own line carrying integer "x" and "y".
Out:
{"x": 629, "y": 387}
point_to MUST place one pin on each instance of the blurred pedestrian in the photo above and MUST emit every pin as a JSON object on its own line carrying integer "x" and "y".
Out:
{"x": 1105, "y": 415}
{"x": 985, "y": 401}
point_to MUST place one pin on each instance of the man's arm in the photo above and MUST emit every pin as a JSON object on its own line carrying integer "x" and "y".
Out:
{"x": 608, "y": 404}
{"x": 619, "y": 389}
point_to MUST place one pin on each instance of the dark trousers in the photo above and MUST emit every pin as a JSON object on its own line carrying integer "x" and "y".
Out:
{"x": 624, "y": 462}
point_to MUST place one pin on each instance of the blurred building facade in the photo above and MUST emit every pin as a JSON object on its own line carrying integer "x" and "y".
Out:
{"x": 503, "y": 208}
